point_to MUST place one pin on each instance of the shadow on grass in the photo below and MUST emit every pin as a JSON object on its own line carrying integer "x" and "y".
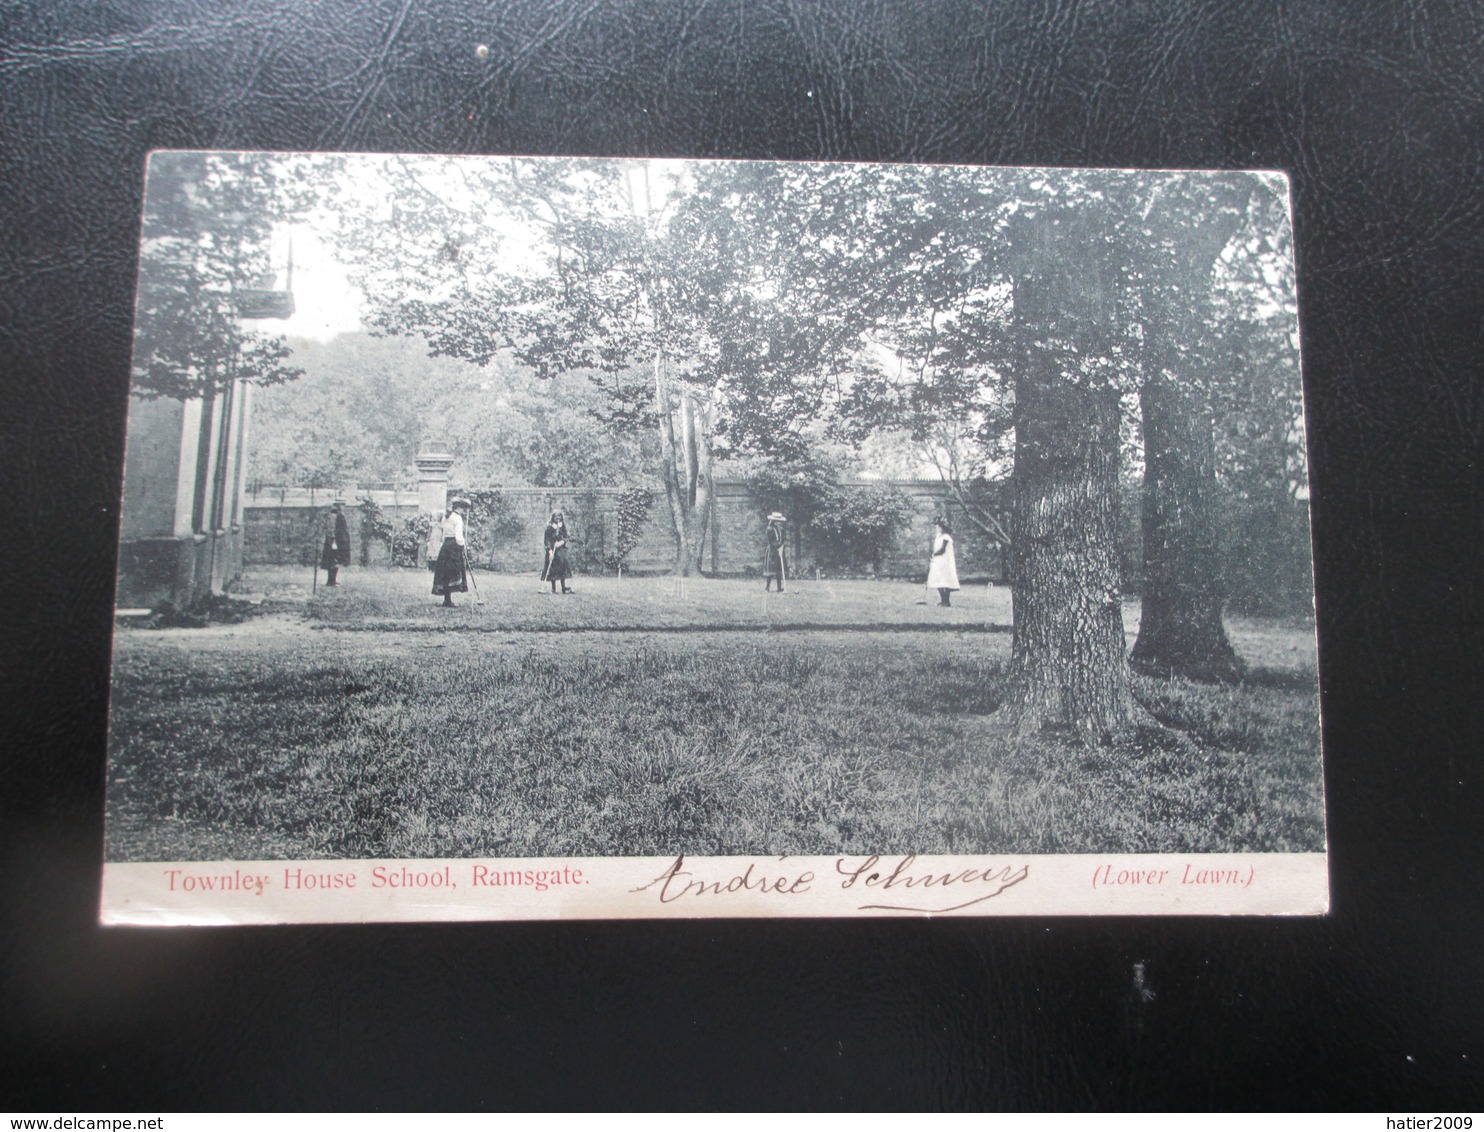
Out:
{"x": 676, "y": 744}
{"x": 1281, "y": 679}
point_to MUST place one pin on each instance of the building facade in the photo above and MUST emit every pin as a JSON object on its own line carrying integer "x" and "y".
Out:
{"x": 181, "y": 527}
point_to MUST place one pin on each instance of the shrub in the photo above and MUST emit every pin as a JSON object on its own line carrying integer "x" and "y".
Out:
{"x": 1265, "y": 559}
{"x": 800, "y": 489}
{"x": 374, "y": 528}
{"x": 410, "y": 540}
{"x": 858, "y": 525}
{"x": 492, "y": 521}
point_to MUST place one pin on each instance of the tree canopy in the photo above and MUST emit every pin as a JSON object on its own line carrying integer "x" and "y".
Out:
{"x": 1075, "y": 326}
{"x": 206, "y": 257}
{"x": 365, "y": 405}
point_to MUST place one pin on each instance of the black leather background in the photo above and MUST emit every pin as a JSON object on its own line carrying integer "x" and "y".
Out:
{"x": 1377, "y": 110}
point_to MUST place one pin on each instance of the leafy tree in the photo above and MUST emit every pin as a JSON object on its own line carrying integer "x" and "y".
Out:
{"x": 730, "y": 308}
{"x": 204, "y": 252}
{"x": 688, "y": 297}
{"x": 1067, "y": 663}
{"x": 1005, "y": 296}
{"x": 1054, "y": 298}
{"x": 365, "y": 405}
{"x": 800, "y": 489}
{"x": 506, "y": 425}
{"x": 1189, "y": 222}
{"x": 971, "y": 458}
{"x": 1261, "y": 469}
{"x": 594, "y": 290}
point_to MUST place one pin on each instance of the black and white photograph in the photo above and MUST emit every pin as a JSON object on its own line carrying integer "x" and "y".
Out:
{"x": 480, "y": 482}
{"x": 924, "y": 524}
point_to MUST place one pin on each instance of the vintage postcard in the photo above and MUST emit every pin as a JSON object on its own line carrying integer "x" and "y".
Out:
{"x": 524, "y": 538}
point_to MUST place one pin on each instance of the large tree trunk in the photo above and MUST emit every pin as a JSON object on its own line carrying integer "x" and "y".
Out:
{"x": 685, "y": 468}
{"x": 1067, "y": 659}
{"x": 1067, "y": 664}
{"x": 1180, "y": 627}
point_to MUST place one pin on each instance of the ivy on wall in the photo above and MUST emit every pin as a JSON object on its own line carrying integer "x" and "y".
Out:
{"x": 632, "y": 512}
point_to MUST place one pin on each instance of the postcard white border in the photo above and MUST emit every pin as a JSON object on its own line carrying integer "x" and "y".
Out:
{"x": 598, "y": 888}
{"x": 164, "y": 894}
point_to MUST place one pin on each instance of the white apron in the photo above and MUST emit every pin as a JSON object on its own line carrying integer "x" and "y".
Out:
{"x": 942, "y": 569}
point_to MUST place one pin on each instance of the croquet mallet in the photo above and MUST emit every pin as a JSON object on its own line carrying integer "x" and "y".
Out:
{"x": 469, "y": 572}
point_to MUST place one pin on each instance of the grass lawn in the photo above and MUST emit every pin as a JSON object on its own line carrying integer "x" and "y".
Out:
{"x": 629, "y": 718}
{"x": 398, "y": 599}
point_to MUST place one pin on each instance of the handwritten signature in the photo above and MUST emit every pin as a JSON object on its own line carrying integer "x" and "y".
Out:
{"x": 917, "y": 889}
{"x": 984, "y": 884}
{"x": 676, "y": 882}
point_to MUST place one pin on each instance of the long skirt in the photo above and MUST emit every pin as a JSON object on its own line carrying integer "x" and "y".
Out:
{"x": 449, "y": 573}
{"x": 559, "y": 568}
{"x": 773, "y": 565}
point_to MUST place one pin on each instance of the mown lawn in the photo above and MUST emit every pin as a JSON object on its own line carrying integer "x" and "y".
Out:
{"x": 294, "y": 736}
{"x": 398, "y": 599}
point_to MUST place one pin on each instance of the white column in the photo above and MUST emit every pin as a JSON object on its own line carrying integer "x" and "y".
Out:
{"x": 244, "y": 421}
{"x": 432, "y": 493}
{"x": 185, "y": 476}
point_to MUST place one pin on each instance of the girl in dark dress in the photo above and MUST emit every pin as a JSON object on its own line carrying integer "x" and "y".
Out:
{"x": 775, "y": 569}
{"x": 558, "y": 567}
{"x": 335, "y": 552}
{"x": 450, "y": 573}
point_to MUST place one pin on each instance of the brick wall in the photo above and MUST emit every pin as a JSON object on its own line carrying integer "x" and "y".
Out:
{"x": 290, "y": 533}
{"x": 287, "y": 532}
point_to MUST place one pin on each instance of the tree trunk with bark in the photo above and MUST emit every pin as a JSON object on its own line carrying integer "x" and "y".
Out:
{"x": 685, "y": 467}
{"x": 1067, "y": 663}
{"x": 1180, "y": 627}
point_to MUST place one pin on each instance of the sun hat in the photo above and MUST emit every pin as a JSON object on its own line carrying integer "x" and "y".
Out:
{"x": 777, "y": 517}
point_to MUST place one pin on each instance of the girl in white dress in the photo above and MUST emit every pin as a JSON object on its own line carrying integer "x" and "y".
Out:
{"x": 942, "y": 567}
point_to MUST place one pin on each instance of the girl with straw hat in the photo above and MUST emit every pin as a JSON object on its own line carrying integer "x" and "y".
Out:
{"x": 773, "y": 564}
{"x": 450, "y": 574}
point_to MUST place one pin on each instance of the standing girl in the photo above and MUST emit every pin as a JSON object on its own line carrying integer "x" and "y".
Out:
{"x": 450, "y": 573}
{"x": 942, "y": 567}
{"x": 774, "y": 567}
{"x": 558, "y": 567}
{"x": 335, "y": 552}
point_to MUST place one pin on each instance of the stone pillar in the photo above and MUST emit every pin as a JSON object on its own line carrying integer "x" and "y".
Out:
{"x": 432, "y": 494}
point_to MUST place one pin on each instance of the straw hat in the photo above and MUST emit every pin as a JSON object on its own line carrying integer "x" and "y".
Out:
{"x": 777, "y": 517}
